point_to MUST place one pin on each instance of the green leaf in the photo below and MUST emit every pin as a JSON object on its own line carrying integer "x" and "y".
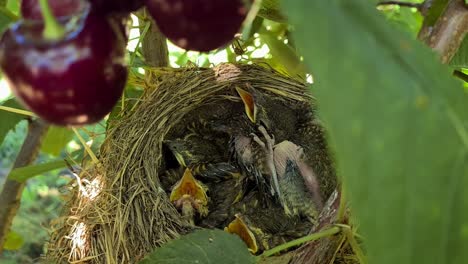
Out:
{"x": 284, "y": 54}
{"x": 270, "y": 9}
{"x": 137, "y": 60}
{"x": 231, "y": 55}
{"x": 397, "y": 123}
{"x": 406, "y": 18}
{"x": 460, "y": 60}
{"x": 202, "y": 247}
{"x": 6, "y": 18}
{"x": 250, "y": 30}
{"x": 56, "y": 140}
{"x": 24, "y": 173}
{"x": 14, "y": 6}
{"x": 13, "y": 241}
{"x": 182, "y": 58}
{"x": 9, "y": 120}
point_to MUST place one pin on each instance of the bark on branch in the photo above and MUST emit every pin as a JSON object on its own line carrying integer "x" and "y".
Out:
{"x": 449, "y": 31}
{"x": 10, "y": 197}
{"x": 154, "y": 44}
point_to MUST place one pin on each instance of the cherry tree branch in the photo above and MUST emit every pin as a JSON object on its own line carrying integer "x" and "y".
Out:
{"x": 154, "y": 44}
{"x": 10, "y": 197}
{"x": 446, "y": 36}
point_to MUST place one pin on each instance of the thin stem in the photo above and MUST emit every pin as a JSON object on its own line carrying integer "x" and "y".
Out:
{"x": 250, "y": 17}
{"x": 342, "y": 209}
{"x": 52, "y": 29}
{"x": 355, "y": 245}
{"x": 325, "y": 233}
{"x": 10, "y": 196}
{"x": 16, "y": 111}
{"x": 398, "y": 3}
{"x": 142, "y": 36}
{"x": 87, "y": 148}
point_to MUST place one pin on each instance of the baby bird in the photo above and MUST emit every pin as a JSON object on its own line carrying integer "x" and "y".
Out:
{"x": 292, "y": 176}
{"x": 189, "y": 196}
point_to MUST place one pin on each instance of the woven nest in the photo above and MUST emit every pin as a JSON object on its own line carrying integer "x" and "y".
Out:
{"x": 118, "y": 211}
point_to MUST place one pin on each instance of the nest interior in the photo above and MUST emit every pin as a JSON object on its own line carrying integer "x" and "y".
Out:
{"x": 119, "y": 211}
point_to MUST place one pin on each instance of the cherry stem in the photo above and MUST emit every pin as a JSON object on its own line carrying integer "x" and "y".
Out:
{"x": 52, "y": 30}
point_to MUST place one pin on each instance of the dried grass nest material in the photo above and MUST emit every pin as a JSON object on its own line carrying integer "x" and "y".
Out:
{"x": 118, "y": 212}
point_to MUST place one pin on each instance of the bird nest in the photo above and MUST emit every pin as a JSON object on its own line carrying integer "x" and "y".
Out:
{"x": 118, "y": 211}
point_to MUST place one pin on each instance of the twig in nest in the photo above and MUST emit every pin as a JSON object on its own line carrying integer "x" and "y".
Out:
{"x": 402, "y": 4}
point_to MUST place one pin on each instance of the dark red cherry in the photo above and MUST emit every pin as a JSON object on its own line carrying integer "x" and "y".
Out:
{"x": 201, "y": 25}
{"x": 119, "y": 6}
{"x": 75, "y": 80}
{"x": 30, "y": 9}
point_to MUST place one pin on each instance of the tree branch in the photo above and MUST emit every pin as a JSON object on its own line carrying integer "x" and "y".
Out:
{"x": 449, "y": 30}
{"x": 425, "y": 6}
{"x": 10, "y": 197}
{"x": 154, "y": 43}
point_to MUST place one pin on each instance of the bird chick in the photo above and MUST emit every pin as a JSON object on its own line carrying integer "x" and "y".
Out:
{"x": 249, "y": 160}
{"x": 290, "y": 175}
{"x": 190, "y": 151}
{"x": 253, "y": 230}
{"x": 189, "y": 196}
{"x": 202, "y": 158}
{"x": 243, "y": 151}
{"x": 224, "y": 197}
{"x": 278, "y": 116}
{"x": 311, "y": 137}
{"x": 297, "y": 181}
{"x": 296, "y": 184}
{"x": 240, "y": 228}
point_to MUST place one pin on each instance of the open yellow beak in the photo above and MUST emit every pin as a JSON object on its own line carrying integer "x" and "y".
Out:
{"x": 249, "y": 103}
